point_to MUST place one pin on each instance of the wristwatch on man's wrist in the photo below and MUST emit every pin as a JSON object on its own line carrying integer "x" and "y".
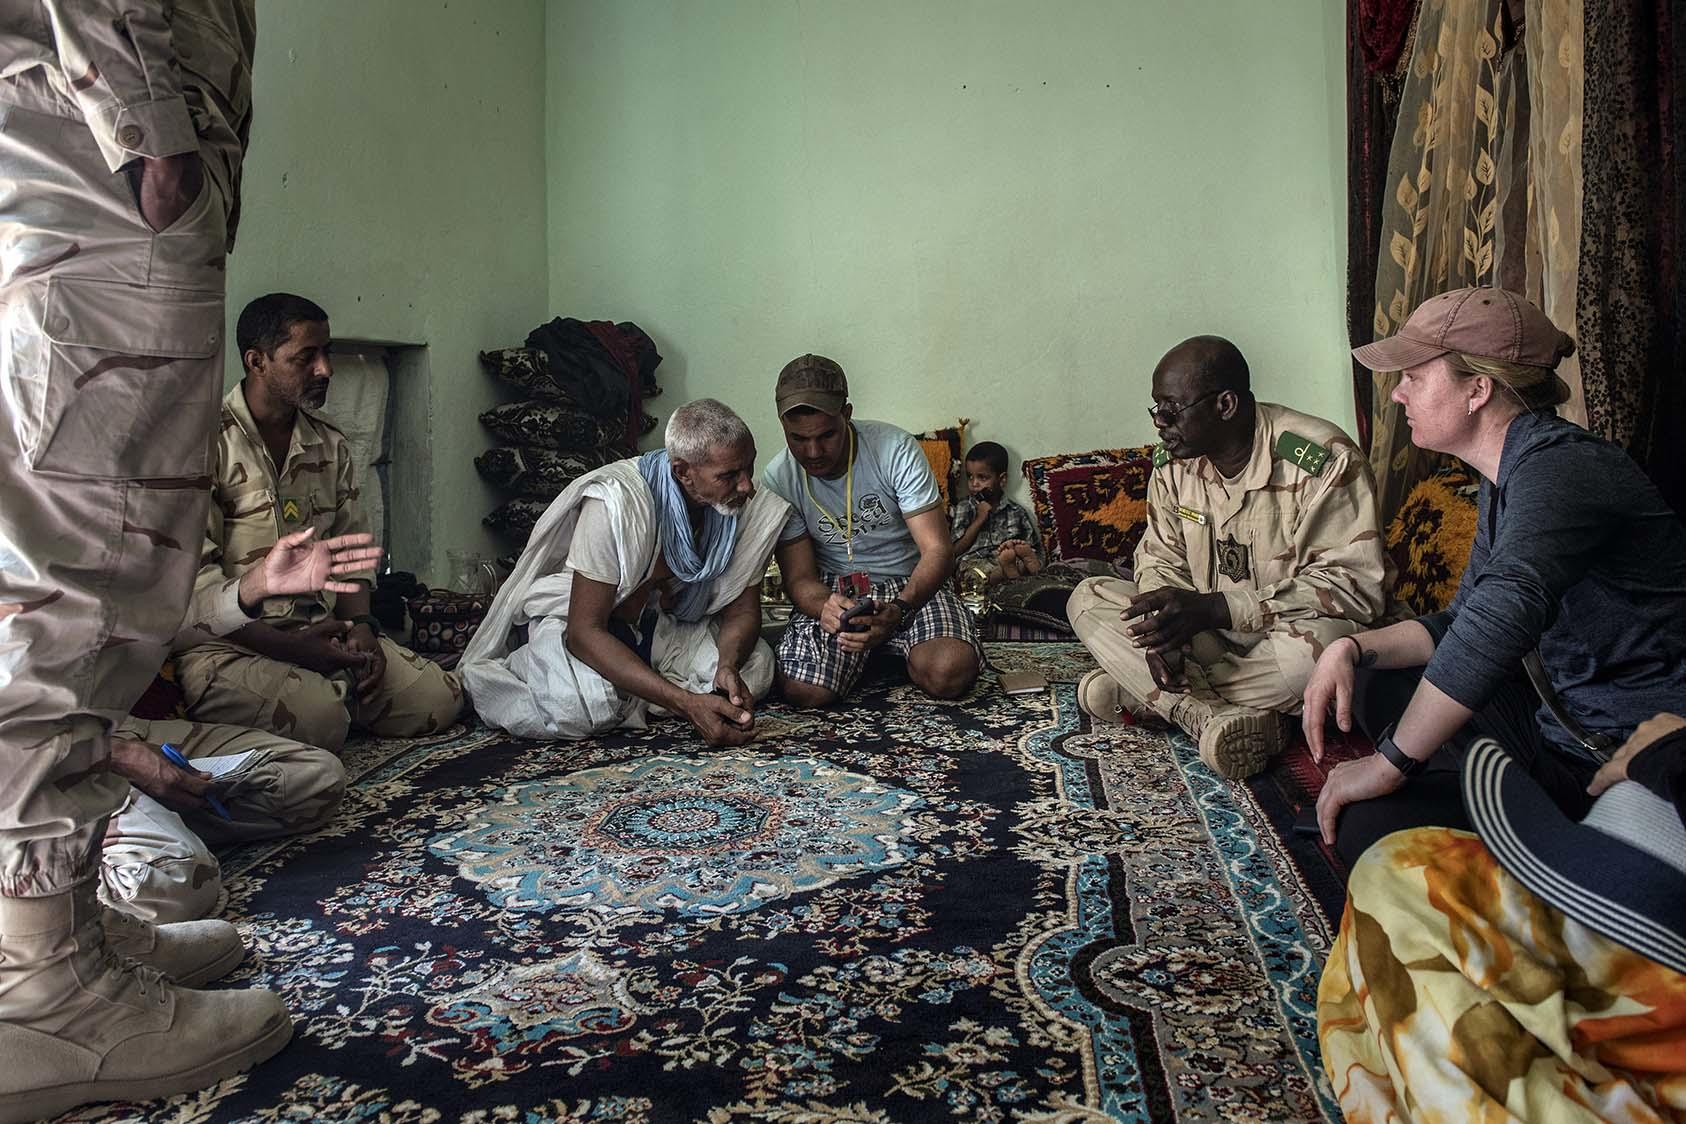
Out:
{"x": 368, "y": 619}
{"x": 907, "y": 610}
{"x": 1407, "y": 765}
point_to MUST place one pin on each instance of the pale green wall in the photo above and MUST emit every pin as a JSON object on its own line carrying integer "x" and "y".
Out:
{"x": 1334, "y": 28}
{"x": 396, "y": 176}
{"x": 995, "y": 209}
{"x": 988, "y": 208}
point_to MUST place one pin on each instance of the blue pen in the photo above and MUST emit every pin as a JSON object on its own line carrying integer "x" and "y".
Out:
{"x": 176, "y": 758}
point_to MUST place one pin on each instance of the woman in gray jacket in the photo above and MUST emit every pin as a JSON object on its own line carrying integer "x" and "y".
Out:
{"x": 1578, "y": 568}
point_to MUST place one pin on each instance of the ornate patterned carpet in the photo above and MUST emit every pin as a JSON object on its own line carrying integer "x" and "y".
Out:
{"x": 980, "y": 910}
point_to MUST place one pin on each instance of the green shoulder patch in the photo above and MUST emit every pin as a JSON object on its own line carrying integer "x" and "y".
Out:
{"x": 1303, "y": 451}
{"x": 1160, "y": 457}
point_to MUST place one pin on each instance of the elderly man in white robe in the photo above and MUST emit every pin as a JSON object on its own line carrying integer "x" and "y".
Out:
{"x": 639, "y": 594}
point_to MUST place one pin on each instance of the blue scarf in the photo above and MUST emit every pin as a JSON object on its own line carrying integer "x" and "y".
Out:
{"x": 696, "y": 569}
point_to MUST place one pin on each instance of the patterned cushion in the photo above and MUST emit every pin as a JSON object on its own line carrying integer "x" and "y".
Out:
{"x": 552, "y": 426}
{"x": 1091, "y": 505}
{"x": 528, "y": 370}
{"x": 549, "y": 425}
{"x": 538, "y": 473}
{"x": 1430, "y": 538}
{"x": 516, "y": 518}
{"x": 944, "y": 448}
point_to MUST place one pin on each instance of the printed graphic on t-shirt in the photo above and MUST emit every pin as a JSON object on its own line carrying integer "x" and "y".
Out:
{"x": 870, "y": 515}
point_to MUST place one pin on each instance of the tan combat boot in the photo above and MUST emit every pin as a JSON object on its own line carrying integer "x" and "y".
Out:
{"x": 78, "y": 1023}
{"x": 1104, "y": 698}
{"x": 190, "y": 953}
{"x": 1235, "y": 741}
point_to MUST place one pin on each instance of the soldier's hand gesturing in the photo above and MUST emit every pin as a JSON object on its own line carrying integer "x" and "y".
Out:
{"x": 1168, "y": 619}
{"x": 297, "y": 563}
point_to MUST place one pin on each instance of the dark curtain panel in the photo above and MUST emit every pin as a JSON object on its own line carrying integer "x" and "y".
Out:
{"x": 1377, "y": 32}
{"x": 1631, "y": 307}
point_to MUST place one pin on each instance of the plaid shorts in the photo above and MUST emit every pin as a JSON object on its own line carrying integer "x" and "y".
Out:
{"x": 809, "y": 654}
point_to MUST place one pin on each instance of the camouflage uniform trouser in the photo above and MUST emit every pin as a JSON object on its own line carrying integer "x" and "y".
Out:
{"x": 110, "y": 372}
{"x": 1263, "y": 671}
{"x": 227, "y": 683}
{"x": 158, "y": 864}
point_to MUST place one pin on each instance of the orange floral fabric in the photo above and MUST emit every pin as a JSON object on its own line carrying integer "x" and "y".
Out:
{"x": 1453, "y": 993}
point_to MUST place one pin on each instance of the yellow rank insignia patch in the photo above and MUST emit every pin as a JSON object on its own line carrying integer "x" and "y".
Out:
{"x": 292, "y": 510}
{"x": 1303, "y": 451}
{"x": 1161, "y": 458}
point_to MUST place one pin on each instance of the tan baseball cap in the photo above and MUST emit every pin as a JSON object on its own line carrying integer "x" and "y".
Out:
{"x": 813, "y": 381}
{"x": 1485, "y": 322}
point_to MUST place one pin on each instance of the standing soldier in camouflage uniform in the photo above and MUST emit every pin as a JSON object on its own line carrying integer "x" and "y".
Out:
{"x": 308, "y": 669}
{"x": 122, "y": 129}
{"x": 1261, "y": 548}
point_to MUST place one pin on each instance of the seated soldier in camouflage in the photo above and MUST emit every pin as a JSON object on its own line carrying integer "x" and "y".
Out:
{"x": 157, "y": 863}
{"x": 310, "y": 667}
{"x": 1261, "y": 549}
{"x": 240, "y": 786}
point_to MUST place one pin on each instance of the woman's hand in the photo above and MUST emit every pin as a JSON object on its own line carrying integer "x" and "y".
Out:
{"x": 1331, "y": 683}
{"x": 1350, "y": 782}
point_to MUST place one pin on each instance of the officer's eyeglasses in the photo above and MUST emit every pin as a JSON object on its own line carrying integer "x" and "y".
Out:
{"x": 1164, "y": 413}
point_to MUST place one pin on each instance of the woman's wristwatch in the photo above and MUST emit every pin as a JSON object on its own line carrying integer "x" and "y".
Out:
{"x": 1398, "y": 758}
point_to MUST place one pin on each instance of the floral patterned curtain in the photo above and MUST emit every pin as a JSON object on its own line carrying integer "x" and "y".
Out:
{"x": 1553, "y": 41}
{"x": 1483, "y": 182}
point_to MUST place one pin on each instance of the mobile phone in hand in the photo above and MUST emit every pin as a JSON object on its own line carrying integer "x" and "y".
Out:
{"x": 1306, "y": 823}
{"x": 850, "y": 620}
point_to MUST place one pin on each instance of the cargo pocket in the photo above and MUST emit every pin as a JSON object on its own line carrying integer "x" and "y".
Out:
{"x": 132, "y": 382}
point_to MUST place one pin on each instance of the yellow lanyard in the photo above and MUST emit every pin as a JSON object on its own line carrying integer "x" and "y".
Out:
{"x": 847, "y": 524}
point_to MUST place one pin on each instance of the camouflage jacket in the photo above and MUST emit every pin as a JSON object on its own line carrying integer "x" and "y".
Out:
{"x": 152, "y": 77}
{"x": 252, "y": 505}
{"x": 1293, "y": 536}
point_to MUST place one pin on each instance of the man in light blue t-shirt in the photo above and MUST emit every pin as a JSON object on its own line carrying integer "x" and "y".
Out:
{"x": 864, "y": 502}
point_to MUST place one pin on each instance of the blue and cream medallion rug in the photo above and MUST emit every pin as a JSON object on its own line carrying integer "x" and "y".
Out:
{"x": 913, "y": 910}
